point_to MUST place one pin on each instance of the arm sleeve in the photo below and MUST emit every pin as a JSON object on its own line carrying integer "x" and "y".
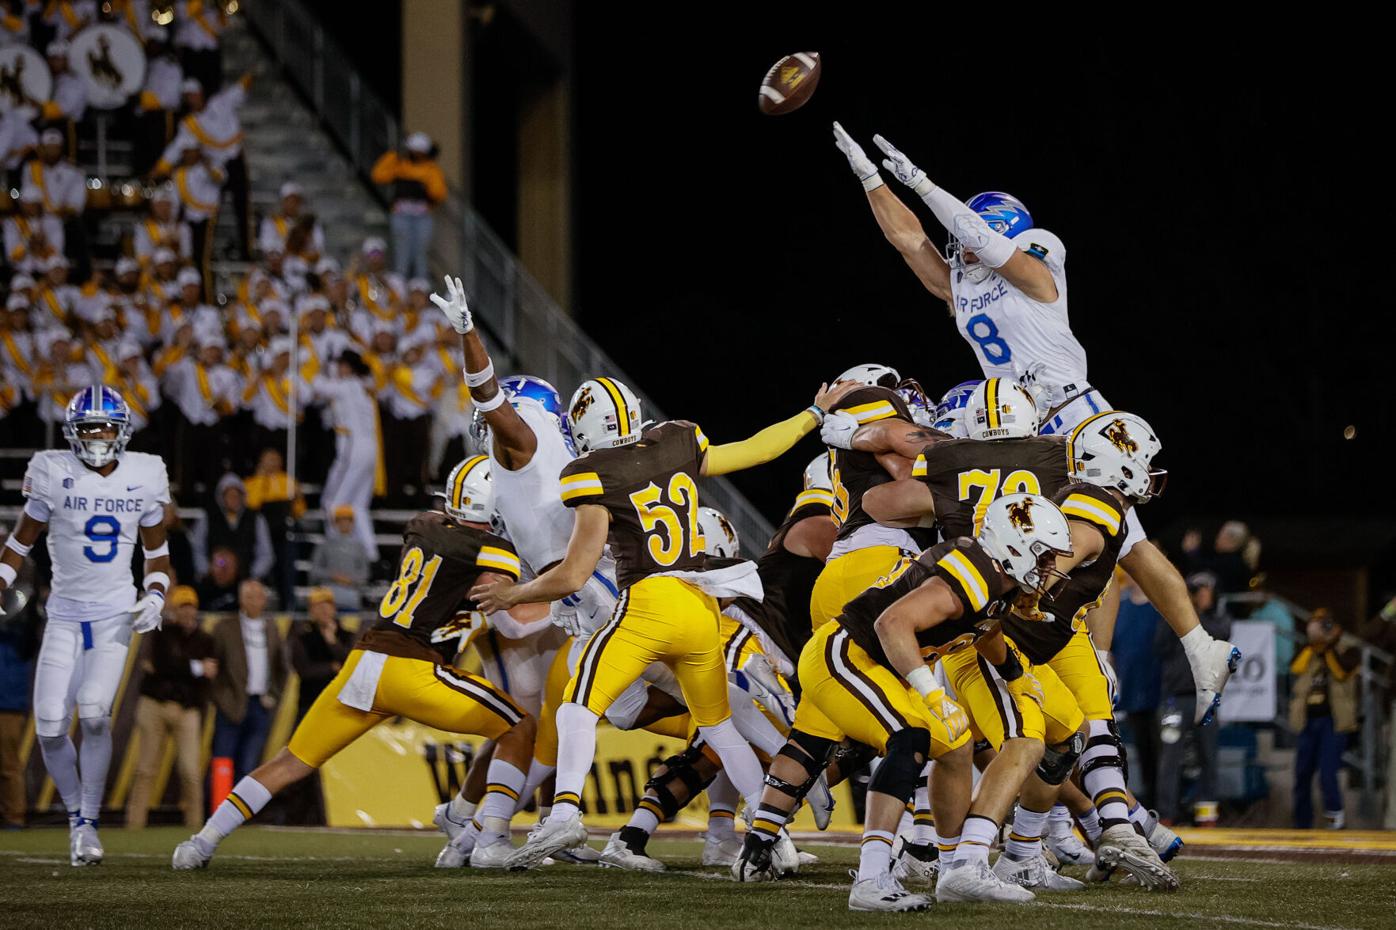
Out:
{"x": 994, "y": 249}
{"x": 770, "y": 443}
{"x": 510, "y": 628}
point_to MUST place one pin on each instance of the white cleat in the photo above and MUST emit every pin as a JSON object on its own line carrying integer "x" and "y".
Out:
{"x": 493, "y": 856}
{"x": 1033, "y": 873}
{"x": 977, "y": 882}
{"x": 187, "y": 856}
{"x": 84, "y": 847}
{"x": 578, "y": 855}
{"x": 1067, "y": 846}
{"x": 821, "y": 802}
{"x": 884, "y": 893}
{"x": 760, "y": 867}
{"x": 1164, "y": 841}
{"x": 617, "y": 855}
{"x": 1121, "y": 848}
{"x": 909, "y": 866}
{"x": 722, "y": 851}
{"x": 1211, "y": 669}
{"x": 447, "y": 824}
{"x": 548, "y": 838}
{"x": 806, "y": 858}
{"x": 784, "y": 856}
{"x": 452, "y": 857}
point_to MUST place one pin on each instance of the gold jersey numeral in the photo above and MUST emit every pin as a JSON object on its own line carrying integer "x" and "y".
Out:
{"x": 401, "y": 601}
{"x": 988, "y": 487}
{"x": 663, "y": 524}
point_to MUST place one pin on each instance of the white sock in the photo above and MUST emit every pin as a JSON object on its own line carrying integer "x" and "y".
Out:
{"x": 576, "y": 750}
{"x": 644, "y": 818}
{"x": 722, "y": 806}
{"x": 505, "y": 781}
{"x": 466, "y": 839}
{"x": 1139, "y": 817}
{"x": 1090, "y": 825}
{"x": 460, "y": 810}
{"x": 241, "y": 805}
{"x": 1104, "y": 780}
{"x": 1194, "y": 641}
{"x": 738, "y": 761}
{"x": 976, "y": 839}
{"x": 94, "y": 758}
{"x": 1025, "y": 837}
{"x": 754, "y": 726}
{"x": 875, "y": 856}
{"x": 61, "y": 761}
{"x": 948, "y": 850}
{"x": 538, "y": 773}
{"x": 924, "y": 824}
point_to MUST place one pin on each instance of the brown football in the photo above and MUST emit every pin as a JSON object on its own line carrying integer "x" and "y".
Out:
{"x": 789, "y": 84}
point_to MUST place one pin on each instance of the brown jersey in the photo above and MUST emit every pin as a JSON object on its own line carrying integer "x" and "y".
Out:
{"x": 425, "y": 612}
{"x": 966, "y": 475}
{"x": 855, "y": 472}
{"x": 982, "y": 587}
{"x": 788, "y": 580}
{"x": 1068, "y": 604}
{"x": 650, "y": 488}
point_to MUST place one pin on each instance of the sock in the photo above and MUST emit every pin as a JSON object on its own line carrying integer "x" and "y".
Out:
{"x": 1090, "y": 825}
{"x": 504, "y": 782}
{"x": 647, "y": 816}
{"x": 722, "y": 807}
{"x": 465, "y": 840}
{"x": 635, "y": 838}
{"x": 1104, "y": 778}
{"x": 924, "y": 822}
{"x": 1025, "y": 836}
{"x": 768, "y": 821}
{"x": 905, "y": 824}
{"x": 460, "y": 810}
{"x": 948, "y": 849}
{"x": 576, "y": 732}
{"x": 754, "y": 726}
{"x": 1150, "y": 823}
{"x": 977, "y": 838}
{"x": 1194, "y": 641}
{"x": 538, "y": 773}
{"x": 875, "y": 857}
{"x": 1139, "y": 817}
{"x": 61, "y": 761}
{"x": 94, "y": 758}
{"x": 241, "y": 805}
{"x": 738, "y": 761}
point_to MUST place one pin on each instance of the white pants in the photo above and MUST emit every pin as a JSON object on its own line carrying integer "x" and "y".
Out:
{"x": 80, "y": 666}
{"x": 519, "y": 667}
{"x": 350, "y": 481}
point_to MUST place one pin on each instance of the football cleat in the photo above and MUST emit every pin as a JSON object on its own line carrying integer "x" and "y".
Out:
{"x": 806, "y": 858}
{"x": 722, "y": 851}
{"x": 1120, "y": 847}
{"x": 452, "y": 857}
{"x": 188, "y": 855}
{"x": 977, "y": 882}
{"x": 1163, "y": 840}
{"x": 1211, "y": 669}
{"x": 84, "y": 846}
{"x": 547, "y": 838}
{"x": 916, "y": 862}
{"x": 578, "y": 855}
{"x": 493, "y": 856}
{"x": 755, "y": 863}
{"x": 1033, "y": 873}
{"x": 821, "y": 802}
{"x": 447, "y": 824}
{"x": 784, "y": 855}
{"x": 617, "y": 855}
{"x": 1063, "y": 843}
{"x": 883, "y": 893}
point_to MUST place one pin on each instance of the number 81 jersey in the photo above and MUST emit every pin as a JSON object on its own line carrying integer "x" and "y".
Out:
{"x": 93, "y": 525}
{"x": 650, "y": 489}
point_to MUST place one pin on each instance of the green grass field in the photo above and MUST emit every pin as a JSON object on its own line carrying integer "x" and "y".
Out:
{"x": 293, "y": 878}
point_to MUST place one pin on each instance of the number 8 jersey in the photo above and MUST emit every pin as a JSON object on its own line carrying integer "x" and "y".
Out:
{"x": 93, "y": 526}
{"x": 650, "y": 489}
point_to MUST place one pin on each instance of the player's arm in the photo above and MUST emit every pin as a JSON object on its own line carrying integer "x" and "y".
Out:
{"x": 901, "y": 227}
{"x": 589, "y": 532}
{"x": 147, "y": 613}
{"x": 513, "y": 440}
{"x": 891, "y": 435}
{"x": 17, "y": 547}
{"x": 776, "y": 439}
{"x": 932, "y": 603}
{"x": 522, "y": 620}
{"x": 905, "y": 503}
{"x": 812, "y": 537}
{"x": 1087, "y": 543}
{"x": 994, "y": 249}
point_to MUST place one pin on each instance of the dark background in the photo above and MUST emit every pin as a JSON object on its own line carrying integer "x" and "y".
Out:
{"x": 1222, "y": 200}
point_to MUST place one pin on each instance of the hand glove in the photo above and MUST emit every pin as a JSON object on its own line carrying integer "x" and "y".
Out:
{"x": 1027, "y": 686}
{"x": 902, "y": 168}
{"x": 949, "y": 713}
{"x": 147, "y": 614}
{"x": 838, "y": 429}
{"x": 858, "y": 160}
{"x": 1040, "y": 392}
{"x": 453, "y": 305}
{"x": 564, "y": 615}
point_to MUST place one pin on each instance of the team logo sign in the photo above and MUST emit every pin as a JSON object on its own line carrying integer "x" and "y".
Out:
{"x": 1020, "y": 515}
{"x": 583, "y": 404}
{"x": 112, "y": 63}
{"x": 1118, "y": 434}
{"x": 24, "y": 78}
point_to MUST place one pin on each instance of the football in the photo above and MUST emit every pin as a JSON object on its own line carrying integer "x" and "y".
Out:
{"x": 789, "y": 84}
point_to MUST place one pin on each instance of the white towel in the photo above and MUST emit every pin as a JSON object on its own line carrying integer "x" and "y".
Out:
{"x": 738, "y": 580}
{"x": 361, "y": 690}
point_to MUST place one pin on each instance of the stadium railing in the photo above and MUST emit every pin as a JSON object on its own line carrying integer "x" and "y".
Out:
{"x": 537, "y": 336}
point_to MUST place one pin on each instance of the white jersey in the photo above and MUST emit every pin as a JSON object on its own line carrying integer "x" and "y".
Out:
{"x": 530, "y": 498}
{"x": 1011, "y": 333}
{"x": 93, "y": 526}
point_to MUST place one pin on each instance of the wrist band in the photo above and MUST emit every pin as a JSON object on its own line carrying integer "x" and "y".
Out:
{"x": 494, "y": 403}
{"x": 1011, "y": 669}
{"x": 478, "y": 378}
{"x": 922, "y": 680}
{"x": 162, "y": 549}
{"x": 818, "y": 412}
{"x": 154, "y": 578}
{"x": 872, "y": 182}
{"x": 17, "y": 546}
{"x": 7, "y": 574}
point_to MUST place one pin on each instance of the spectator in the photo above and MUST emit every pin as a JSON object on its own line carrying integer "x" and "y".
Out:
{"x": 1178, "y": 710}
{"x": 199, "y": 26}
{"x": 1272, "y": 610}
{"x": 379, "y": 292}
{"x": 66, "y": 18}
{"x": 19, "y": 643}
{"x": 1323, "y": 711}
{"x": 252, "y": 673}
{"x": 1233, "y": 557}
{"x": 205, "y": 392}
{"x": 271, "y": 494}
{"x": 228, "y": 523}
{"x": 218, "y": 591}
{"x": 178, "y": 664}
{"x": 181, "y": 550}
{"x": 67, "y": 101}
{"x": 18, "y": 140}
{"x": 200, "y": 186}
{"x": 1137, "y": 668}
{"x": 339, "y": 562}
{"x": 159, "y": 100}
{"x": 357, "y": 474}
{"x": 64, "y": 190}
{"x": 278, "y": 227}
{"x": 320, "y": 649}
{"x": 417, "y": 186}
{"x": 213, "y": 126}
{"x": 163, "y": 229}
{"x": 31, "y": 235}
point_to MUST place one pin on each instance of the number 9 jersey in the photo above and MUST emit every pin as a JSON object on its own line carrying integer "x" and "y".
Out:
{"x": 93, "y": 526}
{"x": 650, "y": 489}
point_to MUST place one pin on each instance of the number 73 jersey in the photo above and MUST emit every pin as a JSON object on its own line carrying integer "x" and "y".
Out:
{"x": 94, "y": 523}
{"x": 650, "y": 489}
{"x": 966, "y": 475}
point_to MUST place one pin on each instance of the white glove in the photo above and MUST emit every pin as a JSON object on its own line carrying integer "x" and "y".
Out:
{"x": 454, "y": 306}
{"x": 838, "y": 429}
{"x": 901, "y": 166}
{"x": 858, "y": 160}
{"x": 564, "y": 615}
{"x": 148, "y": 613}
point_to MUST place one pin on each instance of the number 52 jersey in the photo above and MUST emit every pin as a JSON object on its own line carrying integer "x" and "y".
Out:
{"x": 93, "y": 526}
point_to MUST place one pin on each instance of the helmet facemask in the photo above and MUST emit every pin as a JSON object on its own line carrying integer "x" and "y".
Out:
{"x": 97, "y": 441}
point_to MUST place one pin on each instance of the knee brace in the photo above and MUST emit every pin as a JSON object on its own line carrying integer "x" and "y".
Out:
{"x": 1058, "y": 761}
{"x": 900, "y": 771}
{"x": 50, "y": 719}
{"x": 852, "y": 756}
{"x": 811, "y": 753}
{"x": 1105, "y": 749}
{"x": 681, "y": 768}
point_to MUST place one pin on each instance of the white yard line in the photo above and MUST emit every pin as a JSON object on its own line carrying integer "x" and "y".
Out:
{"x": 1180, "y": 915}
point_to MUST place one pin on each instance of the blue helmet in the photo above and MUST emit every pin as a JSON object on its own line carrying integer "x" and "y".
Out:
{"x": 92, "y": 411}
{"x": 1005, "y": 214}
{"x": 950, "y": 412}
{"x": 530, "y": 387}
{"x": 922, "y": 410}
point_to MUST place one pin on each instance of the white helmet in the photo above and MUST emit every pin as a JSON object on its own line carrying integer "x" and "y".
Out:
{"x": 872, "y": 375}
{"x": 470, "y": 491}
{"x": 817, "y": 474}
{"x": 719, "y": 535}
{"x": 1000, "y": 409}
{"x": 1019, "y": 531}
{"x": 603, "y": 414}
{"x": 1114, "y": 450}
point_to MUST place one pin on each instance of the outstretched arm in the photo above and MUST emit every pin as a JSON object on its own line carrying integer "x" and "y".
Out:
{"x": 775, "y": 440}
{"x": 589, "y": 532}
{"x": 512, "y": 438}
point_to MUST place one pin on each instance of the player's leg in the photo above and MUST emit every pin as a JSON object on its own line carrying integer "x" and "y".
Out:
{"x": 55, "y": 696}
{"x": 844, "y": 578}
{"x": 677, "y": 781}
{"x": 456, "y": 817}
{"x": 100, "y": 667}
